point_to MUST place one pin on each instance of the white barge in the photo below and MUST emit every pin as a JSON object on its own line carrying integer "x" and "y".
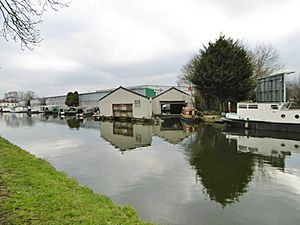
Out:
{"x": 265, "y": 116}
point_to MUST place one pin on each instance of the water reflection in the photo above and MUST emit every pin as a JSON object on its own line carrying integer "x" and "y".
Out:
{"x": 173, "y": 130}
{"x": 223, "y": 172}
{"x": 267, "y": 148}
{"x": 73, "y": 123}
{"x": 126, "y": 136}
{"x": 26, "y": 120}
{"x": 158, "y": 179}
{"x": 17, "y": 120}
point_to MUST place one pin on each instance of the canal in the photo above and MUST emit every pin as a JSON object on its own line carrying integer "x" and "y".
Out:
{"x": 172, "y": 173}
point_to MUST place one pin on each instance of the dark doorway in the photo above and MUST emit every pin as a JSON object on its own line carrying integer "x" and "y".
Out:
{"x": 171, "y": 108}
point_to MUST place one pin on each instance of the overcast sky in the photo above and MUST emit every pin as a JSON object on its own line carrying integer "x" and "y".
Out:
{"x": 96, "y": 44}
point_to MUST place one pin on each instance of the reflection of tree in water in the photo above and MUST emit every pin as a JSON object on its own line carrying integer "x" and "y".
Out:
{"x": 73, "y": 123}
{"x": 17, "y": 120}
{"x": 222, "y": 170}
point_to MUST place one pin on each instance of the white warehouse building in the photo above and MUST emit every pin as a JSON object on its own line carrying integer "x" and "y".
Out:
{"x": 126, "y": 103}
{"x": 171, "y": 102}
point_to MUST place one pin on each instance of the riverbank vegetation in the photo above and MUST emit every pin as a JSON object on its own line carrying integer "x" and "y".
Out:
{"x": 33, "y": 192}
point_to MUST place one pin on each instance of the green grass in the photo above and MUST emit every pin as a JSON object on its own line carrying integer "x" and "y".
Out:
{"x": 33, "y": 192}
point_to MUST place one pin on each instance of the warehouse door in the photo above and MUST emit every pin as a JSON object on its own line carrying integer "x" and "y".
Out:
{"x": 122, "y": 110}
{"x": 171, "y": 107}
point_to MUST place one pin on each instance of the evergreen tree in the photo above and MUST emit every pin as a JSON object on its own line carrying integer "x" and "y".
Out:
{"x": 72, "y": 99}
{"x": 76, "y": 98}
{"x": 223, "y": 70}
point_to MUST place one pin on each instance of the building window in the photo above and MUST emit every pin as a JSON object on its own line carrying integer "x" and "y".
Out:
{"x": 297, "y": 116}
{"x": 282, "y": 116}
{"x": 137, "y": 103}
{"x": 274, "y": 106}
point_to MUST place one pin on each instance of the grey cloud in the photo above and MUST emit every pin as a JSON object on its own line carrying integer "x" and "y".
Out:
{"x": 237, "y": 8}
{"x": 163, "y": 65}
{"x": 110, "y": 43}
{"x": 289, "y": 50}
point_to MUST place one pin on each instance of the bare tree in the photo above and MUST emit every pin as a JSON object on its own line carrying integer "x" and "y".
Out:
{"x": 187, "y": 71}
{"x": 20, "y": 95}
{"x": 20, "y": 19}
{"x": 265, "y": 59}
{"x": 293, "y": 92}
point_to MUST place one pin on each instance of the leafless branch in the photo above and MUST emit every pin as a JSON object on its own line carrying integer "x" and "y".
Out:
{"x": 187, "y": 71}
{"x": 21, "y": 17}
{"x": 265, "y": 59}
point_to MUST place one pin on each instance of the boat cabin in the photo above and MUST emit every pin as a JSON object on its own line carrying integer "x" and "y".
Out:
{"x": 275, "y": 112}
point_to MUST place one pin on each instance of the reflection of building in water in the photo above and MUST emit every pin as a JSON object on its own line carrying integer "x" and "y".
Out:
{"x": 126, "y": 135}
{"x": 272, "y": 150}
{"x": 171, "y": 130}
{"x": 17, "y": 120}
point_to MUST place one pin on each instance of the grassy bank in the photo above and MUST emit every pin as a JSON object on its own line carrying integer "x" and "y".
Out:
{"x": 33, "y": 192}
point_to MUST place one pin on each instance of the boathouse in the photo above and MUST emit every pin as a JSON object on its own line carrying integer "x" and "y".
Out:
{"x": 124, "y": 103}
{"x": 171, "y": 102}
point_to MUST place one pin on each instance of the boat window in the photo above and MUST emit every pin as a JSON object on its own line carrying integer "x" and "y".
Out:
{"x": 297, "y": 116}
{"x": 252, "y": 106}
{"x": 242, "y": 106}
{"x": 282, "y": 116}
{"x": 274, "y": 106}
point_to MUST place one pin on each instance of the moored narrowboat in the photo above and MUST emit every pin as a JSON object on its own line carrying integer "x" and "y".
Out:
{"x": 265, "y": 116}
{"x": 189, "y": 114}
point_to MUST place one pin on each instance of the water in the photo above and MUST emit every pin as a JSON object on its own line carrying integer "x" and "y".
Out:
{"x": 172, "y": 173}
